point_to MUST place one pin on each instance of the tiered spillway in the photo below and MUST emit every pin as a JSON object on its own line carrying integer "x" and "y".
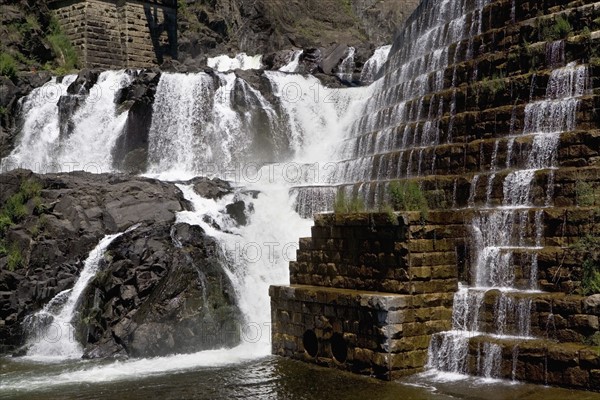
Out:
{"x": 491, "y": 107}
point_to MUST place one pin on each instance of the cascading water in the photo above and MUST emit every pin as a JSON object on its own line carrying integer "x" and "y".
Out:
{"x": 346, "y": 67}
{"x": 292, "y": 65}
{"x": 374, "y": 64}
{"x": 499, "y": 233}
{"x": 324, "y": 139}
{"x": 96, "y": 123}
{"x": 41, "y": 129}
{"x": 243, "y": 61}
{"x": 399, "y": 123}
{"x": 199, "y": 126}
{"x": 52, "y": 329}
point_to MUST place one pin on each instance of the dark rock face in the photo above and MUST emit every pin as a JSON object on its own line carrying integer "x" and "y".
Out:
{"x": 161, "y": 291}
{"x": 265, "y": 26}
{"x": 211, "y": 188}
{"x": 131, "y": 150}
{"x": 169, "y": 277}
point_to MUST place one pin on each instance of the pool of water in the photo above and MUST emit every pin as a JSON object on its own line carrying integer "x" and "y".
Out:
{"x": 268, "y": 377}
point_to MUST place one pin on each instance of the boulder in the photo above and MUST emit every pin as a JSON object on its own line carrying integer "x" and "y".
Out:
{"x": 211, "y": 188}
{"x": 332, "y": 57}
{"x": 237, "y": 212}
{"x": 179, "y": 298}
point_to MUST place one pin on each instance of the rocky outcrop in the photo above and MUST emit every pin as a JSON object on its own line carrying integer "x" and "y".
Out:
{"x": 259, "y": 27}
{"x": 168, "y": 276}
{"x": 161, "y": 291}
{"x": 131, "y": 150}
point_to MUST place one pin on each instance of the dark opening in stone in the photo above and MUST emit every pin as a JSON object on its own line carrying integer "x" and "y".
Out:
{"x": 339, "y": 349}
{"x": 310, "y": 343}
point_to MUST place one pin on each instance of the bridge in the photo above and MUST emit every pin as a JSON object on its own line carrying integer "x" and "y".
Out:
{"x": 120, "y": 33}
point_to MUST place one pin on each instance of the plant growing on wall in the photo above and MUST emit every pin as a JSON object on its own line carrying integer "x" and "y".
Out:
{"x": 560, "y": 29}
{"x": 408, "y": 196}
{"x": 8, "y": 66}
{"x": 589, "y": 247}
{"x": 347, "y": 205}
{"x": 65, "y": 53}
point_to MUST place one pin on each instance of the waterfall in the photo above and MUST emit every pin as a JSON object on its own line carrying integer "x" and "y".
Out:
{"x": 52, "y": 328}
{"x": 374, "y": 64}
{"x": 97, "y": 124}
{"x": 292, "y": 65}
{"x": 224, "y": 63}
{"x": 346, "y": 67}
{"x": 201, "y": 127}
{"x": 40, "y": 131}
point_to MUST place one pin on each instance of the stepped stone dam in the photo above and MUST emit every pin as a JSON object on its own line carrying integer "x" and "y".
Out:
{"x": 120, "y": 33}
{"x": 491, "y": 108}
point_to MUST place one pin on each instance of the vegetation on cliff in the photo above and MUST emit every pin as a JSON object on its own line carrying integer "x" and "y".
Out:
{"x": 32, "y": 40}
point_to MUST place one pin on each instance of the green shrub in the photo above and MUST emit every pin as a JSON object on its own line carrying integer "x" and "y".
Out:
{"x": 30, "y": 189}
{"x": 389, "y": 210}
{"x": 593, "y": 340}
{"x": 15, "y": 208}
{"x": 62, "y": 48}
{"x": 3, "y": 249}
{"x": 8, "y": 66}
{"x": 589, "y": 247}
{"x": 408, "y": 196}
{"x": 5, "y": 223}
{"x": 15, "y": 259}
{"x": 34, "y": 231}
{"x": 38, "y": 206}
{"x": 585, "y": 194}
{"x": 561, "y": 29}
{"x": 344, "y": 205}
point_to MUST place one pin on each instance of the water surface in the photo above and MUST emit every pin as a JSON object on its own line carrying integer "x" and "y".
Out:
{"x": 266, "y": 378}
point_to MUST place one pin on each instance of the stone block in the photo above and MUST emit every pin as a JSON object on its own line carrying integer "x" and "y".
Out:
{"x": 576, "y": 377}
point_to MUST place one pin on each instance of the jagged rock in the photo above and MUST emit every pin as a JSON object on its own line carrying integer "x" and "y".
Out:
{"x": 310, "y": 60}
{"x": 86, "y": 79}
{"x": 160, "y": 276}
{"x": 267, "y": 26}
{"x": 8, "y": 92}
{"x": 332, "y": 57}
{"x": 179, "y": 307}
{"x": 131, "y": 149}
{"x": 591, "y": 304}
{"x": 237, "y": 211}
{"x": 211, "y": 188}
{"x": 278, "y": 59}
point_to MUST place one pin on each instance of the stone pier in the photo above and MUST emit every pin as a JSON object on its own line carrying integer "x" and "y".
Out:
{"x": 120, "y": 33}
{"x": 368, "y": 290}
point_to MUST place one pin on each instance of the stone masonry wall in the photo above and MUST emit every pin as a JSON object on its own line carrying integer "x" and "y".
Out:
{"x": 119, "y": 33}
{"x": 367, "y": 293}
